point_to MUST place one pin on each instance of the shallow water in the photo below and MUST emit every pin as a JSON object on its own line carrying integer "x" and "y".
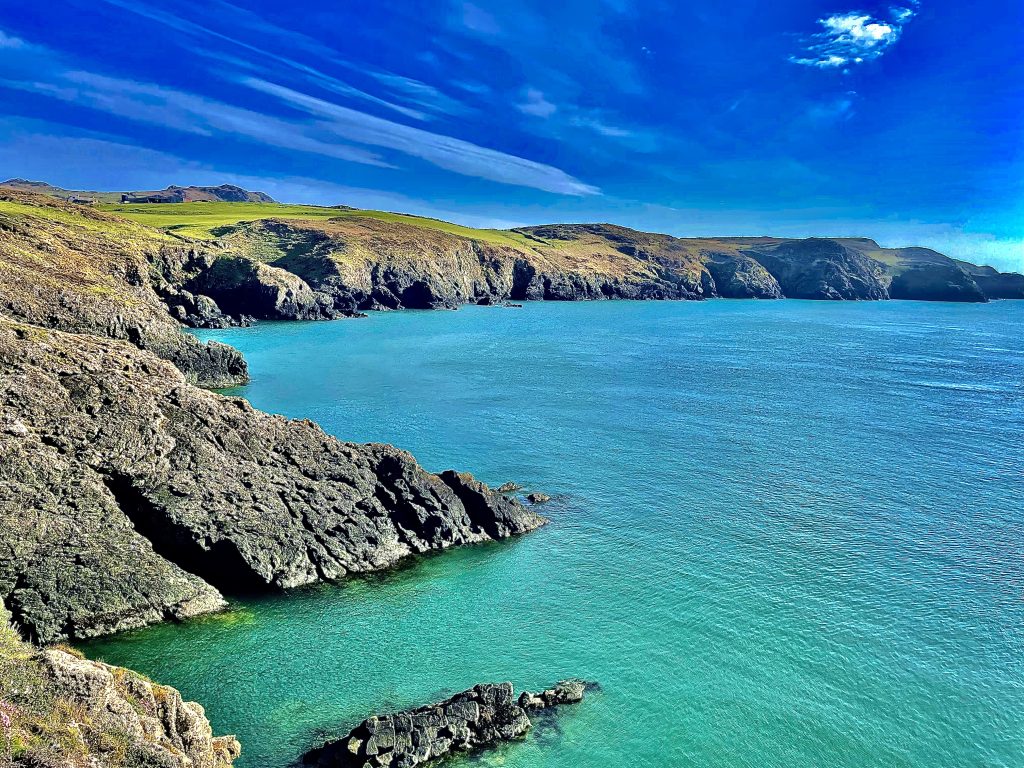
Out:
{"x": 784, "y": 534}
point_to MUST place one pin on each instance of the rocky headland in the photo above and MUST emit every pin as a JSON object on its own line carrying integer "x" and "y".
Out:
{"x": 483, "y": 716}
{"x": 131, "y": 496}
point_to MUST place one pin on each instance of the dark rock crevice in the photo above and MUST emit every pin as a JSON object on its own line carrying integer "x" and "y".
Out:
{"x": 217, "y": 562}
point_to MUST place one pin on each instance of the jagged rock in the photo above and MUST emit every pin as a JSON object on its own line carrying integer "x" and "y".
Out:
{"x": 741, "y": 277}
{"x": 130, "y": 494}
{"x": 481, "y": 717}
{"x": 65, "y": 710}
{"x": 240, "y": 286}
{"x": 537, "y": 498}
{"x": 509, "y": 487}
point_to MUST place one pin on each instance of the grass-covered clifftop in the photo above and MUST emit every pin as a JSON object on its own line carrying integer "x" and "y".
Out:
{"x": 368, "y": 259}
{"x": 76, "y": 269}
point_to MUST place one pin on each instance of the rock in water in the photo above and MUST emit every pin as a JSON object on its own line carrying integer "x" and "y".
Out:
{"x": 481, "y": 717}
{"x": 538, "y": 498}
{"x": 509, "y": 487}
{"x": 129, "y": 496}
{"x": 565, "y": 692}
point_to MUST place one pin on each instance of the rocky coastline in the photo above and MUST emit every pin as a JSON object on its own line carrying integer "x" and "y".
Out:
{"x": 481, "y": 717}
{"x": 131, "y": 494}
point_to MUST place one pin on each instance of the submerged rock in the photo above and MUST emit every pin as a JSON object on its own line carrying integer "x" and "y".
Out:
{"x": 481, "y": 717}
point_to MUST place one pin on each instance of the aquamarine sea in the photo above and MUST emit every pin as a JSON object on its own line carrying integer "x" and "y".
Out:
{"x": 783, "y": 534}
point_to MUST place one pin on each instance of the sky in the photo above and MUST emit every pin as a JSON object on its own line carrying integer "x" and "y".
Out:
{"x": 900, "y": 121}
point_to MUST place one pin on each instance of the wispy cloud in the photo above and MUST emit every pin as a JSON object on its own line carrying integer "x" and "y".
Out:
{"x": 833, "y": 110}
{"x": 535, "y": 104}
{"x": 853, "y": 38}
{"x": 332, "y": 134}
{"x": 288, "y": 39}
{"x": 185, "y": 112}
{"x": 475, "y": 18}
{"x": 9, "y": 41}
{"x": 445, "y": 152}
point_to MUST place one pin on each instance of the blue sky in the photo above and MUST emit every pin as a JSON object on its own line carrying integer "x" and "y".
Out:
{"x": 902, "y": 121}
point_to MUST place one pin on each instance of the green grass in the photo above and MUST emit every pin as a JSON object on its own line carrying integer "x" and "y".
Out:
{"x": 199, "y": 220}
{"x": 70, "y": 217}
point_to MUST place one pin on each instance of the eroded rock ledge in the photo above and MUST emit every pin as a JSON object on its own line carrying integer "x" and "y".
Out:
{"x": 129, "y": 496}
{"x": 481, "y": 717}
{"x": 58, "y": 709}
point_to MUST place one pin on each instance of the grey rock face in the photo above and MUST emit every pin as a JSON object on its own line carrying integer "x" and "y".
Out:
{"x": 936, "y": 282}
{"x": 741, "y": 278}
{"x": 481, "y": 717}
{"x": 130, "y": 495}
{"x": 822, "y": 269}
{"x": 242, "y": 287}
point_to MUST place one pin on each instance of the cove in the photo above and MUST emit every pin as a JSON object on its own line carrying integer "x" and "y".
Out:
{"x": 783, "y": 533}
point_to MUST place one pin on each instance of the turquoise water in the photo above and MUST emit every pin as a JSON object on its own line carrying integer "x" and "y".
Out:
{"x": 784, "y": 534}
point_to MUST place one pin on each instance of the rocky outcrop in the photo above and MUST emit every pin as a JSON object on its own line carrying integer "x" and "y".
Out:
{"x": 481, "y": 717}
{"x": 245, "y": 288}
{"x": 821, "y": 269}
{"x": 935, "y": 282}
{"x": 741, "y": 277}
{"x": 74, "y": 269}
{"x": 225, "y": 193}
{"x": 129, "y": 496}
{"x": 63, "y": 710}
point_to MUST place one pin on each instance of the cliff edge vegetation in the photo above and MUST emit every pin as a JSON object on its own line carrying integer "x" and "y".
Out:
{"x": 59, "y": 710}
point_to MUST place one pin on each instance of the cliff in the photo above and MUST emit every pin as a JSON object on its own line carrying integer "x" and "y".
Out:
{"x": 71, "y": 268}
{"x": 58, "y": 709}
{"x": 349, "y": 261}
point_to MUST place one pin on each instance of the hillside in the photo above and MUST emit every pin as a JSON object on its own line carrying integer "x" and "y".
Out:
{"x": 353, "y": 260}
{"x": 173, "y": 194}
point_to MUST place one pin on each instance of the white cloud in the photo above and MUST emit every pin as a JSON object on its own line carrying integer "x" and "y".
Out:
{"x": 188, "y": 113}
{"x": 852, "y": 38}
{"x": 478, "y": 20}
{"x": 535, "y": 104}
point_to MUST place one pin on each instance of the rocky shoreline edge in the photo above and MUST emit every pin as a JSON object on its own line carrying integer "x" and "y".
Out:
{"x": 479, "y": 718}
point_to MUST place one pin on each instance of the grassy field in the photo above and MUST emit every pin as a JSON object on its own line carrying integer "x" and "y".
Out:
{"x": 200, "y": 220}
{"x": 78, "y": 216}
